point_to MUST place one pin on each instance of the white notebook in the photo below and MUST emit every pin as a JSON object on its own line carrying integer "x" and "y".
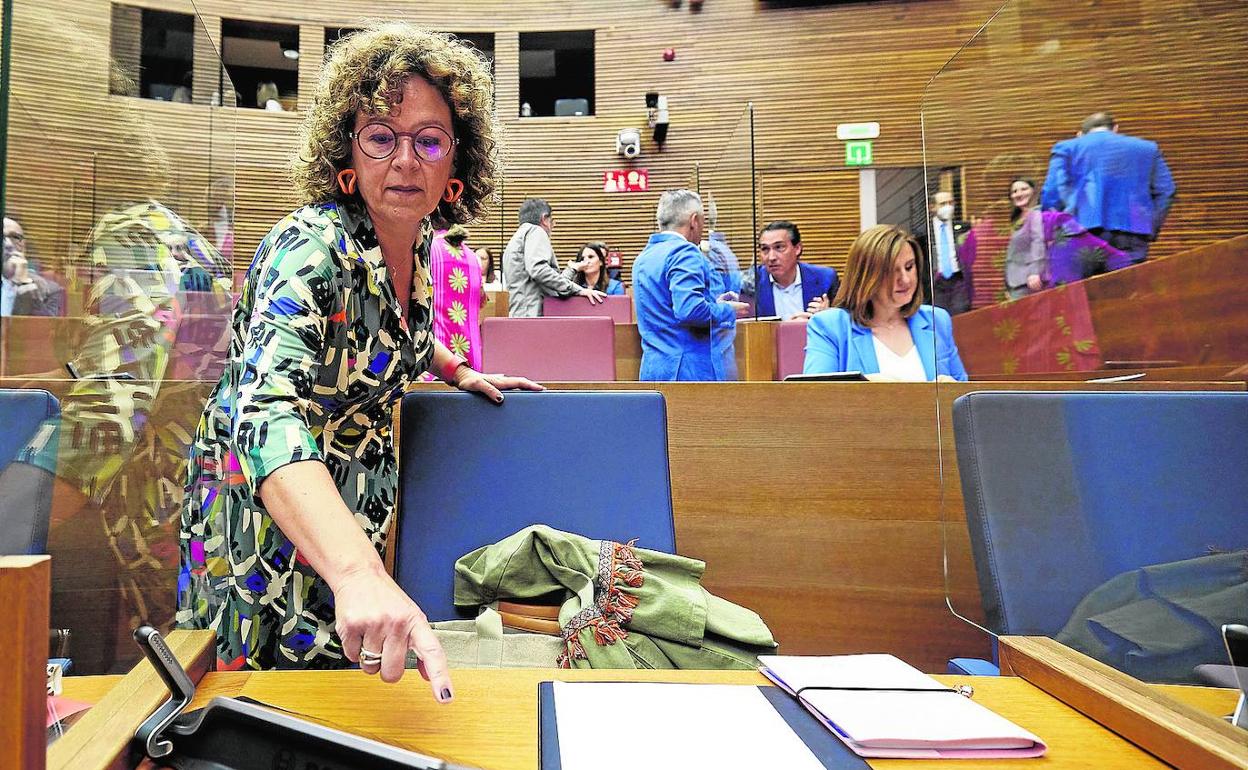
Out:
{"x": 883, "y": 707}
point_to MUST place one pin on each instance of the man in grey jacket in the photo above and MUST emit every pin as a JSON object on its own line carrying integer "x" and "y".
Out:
{"x": 530, "y": 271}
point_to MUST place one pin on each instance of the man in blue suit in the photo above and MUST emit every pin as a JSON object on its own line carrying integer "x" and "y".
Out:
{"x": 676, "y": 310}
{"x": 1117, "y": 186}
{"x": 786, "y": 286}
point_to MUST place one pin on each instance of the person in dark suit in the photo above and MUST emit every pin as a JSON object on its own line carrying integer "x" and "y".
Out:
{"x": 879, "y": 325}
{"x": 23, "y": 291}
{"x": 672, "y": 290}
{"x": 946, "y": 243}
{"x": 1117, "y": 186}
{"x": 786, "y": 286}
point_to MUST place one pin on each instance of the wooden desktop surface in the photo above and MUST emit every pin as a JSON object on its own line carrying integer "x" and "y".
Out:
{"x": 492, "y": 722}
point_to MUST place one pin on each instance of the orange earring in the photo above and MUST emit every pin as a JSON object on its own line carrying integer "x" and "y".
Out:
{"x": 454, "y": 189}
{"x": 346, "y": 181}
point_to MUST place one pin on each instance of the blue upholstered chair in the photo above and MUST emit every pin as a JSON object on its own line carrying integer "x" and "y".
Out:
{"x": 28, "y": 496}
{"x": 474, "y": 472}
{"x": 1065, "y": 490}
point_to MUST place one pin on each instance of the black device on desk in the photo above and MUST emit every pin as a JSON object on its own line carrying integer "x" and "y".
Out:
{"x": 827, "y": 377}
{"x": 243, "y": 734}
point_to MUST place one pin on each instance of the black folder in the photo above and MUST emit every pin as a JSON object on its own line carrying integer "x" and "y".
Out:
{"x": 821, "y": 741}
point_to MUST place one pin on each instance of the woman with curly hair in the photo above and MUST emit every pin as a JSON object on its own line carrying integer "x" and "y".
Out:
{"x": 293, "y": 480}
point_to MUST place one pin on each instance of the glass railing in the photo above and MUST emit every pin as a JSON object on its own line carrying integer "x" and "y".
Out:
{"x": 1086, "y": 152}
{"x": 119, "y": 242}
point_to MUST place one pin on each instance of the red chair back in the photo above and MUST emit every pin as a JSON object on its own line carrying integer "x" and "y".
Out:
{"x": 617, "y": 307}
{"x": 577, "y": 349}
{"x": 790, "y": 348}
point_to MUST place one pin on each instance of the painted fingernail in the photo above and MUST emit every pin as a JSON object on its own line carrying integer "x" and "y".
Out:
{"x": 498, "y": 400}
{"x": 446, "y": 695}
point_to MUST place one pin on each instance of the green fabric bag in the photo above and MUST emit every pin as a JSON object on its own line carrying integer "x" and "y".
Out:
{"x": 484, "y": 643}
{"x": 653, "y": 602}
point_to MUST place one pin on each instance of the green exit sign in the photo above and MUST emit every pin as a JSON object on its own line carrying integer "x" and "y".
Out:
{"x": 858, "y": 153}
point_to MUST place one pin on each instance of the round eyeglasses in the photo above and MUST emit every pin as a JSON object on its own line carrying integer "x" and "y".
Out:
{"x": 378, "y": 141}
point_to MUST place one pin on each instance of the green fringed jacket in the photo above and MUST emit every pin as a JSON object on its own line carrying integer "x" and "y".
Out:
{"x": 623, "y": 607}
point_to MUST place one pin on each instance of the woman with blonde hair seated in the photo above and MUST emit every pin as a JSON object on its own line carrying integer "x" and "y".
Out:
{"x": 878, "y": 324}
{"x": 293, "y": 479}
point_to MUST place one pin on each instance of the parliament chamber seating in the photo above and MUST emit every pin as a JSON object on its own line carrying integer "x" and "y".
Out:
{"x": 617, "y": 307}
{"x": 473, "y": 472}
{"x": 576, "y": 349}
{"x": 1064, "y": 491}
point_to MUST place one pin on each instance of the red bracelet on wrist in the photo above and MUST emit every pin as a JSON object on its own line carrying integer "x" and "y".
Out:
{"x": 448, "y": 371}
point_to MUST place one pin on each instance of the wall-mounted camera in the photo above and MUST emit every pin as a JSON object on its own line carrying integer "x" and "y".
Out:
{"x": 628, "y": 143}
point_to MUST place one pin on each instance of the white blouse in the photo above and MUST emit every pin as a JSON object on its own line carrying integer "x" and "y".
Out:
{"x": 907, "y": 368}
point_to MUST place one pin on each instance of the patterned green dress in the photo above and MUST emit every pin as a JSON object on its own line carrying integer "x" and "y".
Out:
{"x": 319, "y": 354}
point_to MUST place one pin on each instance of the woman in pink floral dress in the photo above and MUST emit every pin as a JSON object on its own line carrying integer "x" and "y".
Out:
{"x": 456, "y": 275}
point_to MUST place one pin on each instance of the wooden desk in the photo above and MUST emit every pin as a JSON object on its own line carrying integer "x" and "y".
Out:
{"x": 755, "y": 350}
{"x": 496, "y": 305}
{"x": 492, "y": 722}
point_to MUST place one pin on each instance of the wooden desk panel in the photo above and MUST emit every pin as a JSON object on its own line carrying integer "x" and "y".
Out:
{"x": 755, "y": 350}
{"x": 25, "y": 582}
{"x": 492, "y": 723}
{"x": 497, "y": 303}
{"x": 627, "y": 352}
{"x": 1188, "y": 307}
{"x": 819, "y": 505}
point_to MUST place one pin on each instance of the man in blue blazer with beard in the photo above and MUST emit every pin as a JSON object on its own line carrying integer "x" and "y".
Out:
{"x": 676, "y": 310}
{"x": 785, "y": 286}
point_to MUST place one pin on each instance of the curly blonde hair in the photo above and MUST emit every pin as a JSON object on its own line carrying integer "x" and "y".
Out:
{"x": 365, "y": 71}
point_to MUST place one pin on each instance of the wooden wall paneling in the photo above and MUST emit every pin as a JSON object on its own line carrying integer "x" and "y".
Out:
{"x": 1041, "y": 71}
{"x": 311, "y": 48}
{"x": 126, "y": 44}
{"x": 1010, "y": 111}
{"x": 823, "y": 202}
{"x": 207, "y": 65}
{"x": 723, "y": 61}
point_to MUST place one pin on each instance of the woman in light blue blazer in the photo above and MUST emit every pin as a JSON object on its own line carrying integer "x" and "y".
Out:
{"x": 878, "y": 324}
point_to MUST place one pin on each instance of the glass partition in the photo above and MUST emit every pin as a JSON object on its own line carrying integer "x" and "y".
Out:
{"x": 119, "y": 235}
{"x": 1089, "y": 152}
{"x": 729, "y": 197}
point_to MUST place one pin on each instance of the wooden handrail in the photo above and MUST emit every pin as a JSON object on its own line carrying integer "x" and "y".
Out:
{"x": 1170, "y": 730}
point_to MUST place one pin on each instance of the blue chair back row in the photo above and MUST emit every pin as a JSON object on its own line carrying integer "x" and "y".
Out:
{"x": 474, "y": 472}
{"x": 1063, "y": 491}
